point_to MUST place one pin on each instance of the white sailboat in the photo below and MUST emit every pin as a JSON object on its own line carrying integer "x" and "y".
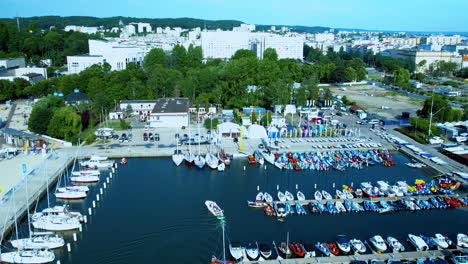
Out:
{"x": 189, "y": 157}
{"x": 59, "y": 211}
{"x": 211, "y": 161}
{"x": 199, "y": 160}
{"x": 177, "y": 157}
{"x": 39, "y": 241}
{"x": 28, "y": 256}
{"x": 85, "y": 179}
{"x": 55, "y": 223}
{"x": 70, "y": 195}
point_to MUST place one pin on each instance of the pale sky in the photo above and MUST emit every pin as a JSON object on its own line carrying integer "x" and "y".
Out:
{"x": 399, "y": 15}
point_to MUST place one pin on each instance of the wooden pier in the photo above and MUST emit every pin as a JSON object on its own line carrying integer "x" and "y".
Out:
{"x": 411, "y": 255}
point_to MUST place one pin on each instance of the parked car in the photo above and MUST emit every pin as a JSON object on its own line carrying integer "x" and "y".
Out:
{"x": 123, "y": 137}
{"x": 130, "y": 136}
{"x": 115, "y": 136}
{"x": 156, "y": 136}
{"x": 151, "y": 138}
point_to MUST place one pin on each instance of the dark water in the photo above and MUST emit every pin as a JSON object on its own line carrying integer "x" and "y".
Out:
{"x": 154, "y": 212}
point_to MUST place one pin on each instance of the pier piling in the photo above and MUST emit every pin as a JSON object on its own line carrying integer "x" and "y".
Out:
{"x": 97, "y": 197}
{"x": 258, "y": 188}
{"x": 107, "y": 180}
{"x": 296, "y": 186}
{"x": 101, "y": 191}
{"x": 74, "y": 237}
{"x": 244, "y": 167}
{"x": 81, "y": 228}
{"x": 90, "y": 212}
{"x": 110, "y": 175}
{"x": 277, "y": 187}
{"x": 85, "y": 220}
{"x": 68, "y": 247}
{"x": 94, "y": 204}
{"x": 105, "y": 185}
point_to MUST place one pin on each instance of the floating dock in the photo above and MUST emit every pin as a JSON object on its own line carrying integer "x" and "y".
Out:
{"x": 411, "y": 255}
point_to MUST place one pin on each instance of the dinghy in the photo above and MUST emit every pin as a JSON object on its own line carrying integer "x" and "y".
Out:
{"x": 289, "y": 196}
{"x": 259, "y": 197}
{"x": 358, "y": 246}
{"x": 300, "y": 196}
{"x": 326, "y": 195}
{"x": 340, "y": 207}
{"x": 318, "y": 195}
{"x": 281, "y": 196}
{"x": 395, "y": 244}
{"x": 267, "y": 197}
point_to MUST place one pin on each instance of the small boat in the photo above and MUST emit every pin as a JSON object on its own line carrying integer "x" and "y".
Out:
{"x": 259, "y": 197}
{"x": 123, "y": 161}
{"x": 85, "y": 178}
{"x": 199, "y": 161}
{"x": 297, "y": 249}
{"x": 300, "y": 209}
{"x": 378, "y": 243}
{"x": 78, "y": 188}
{"x": 28, "y": 256}
{"x": 54, "y": 223}
{"x": 252, "y": 251}
{"x": 289, "y": 209}
{"x": 359, "y": 193}
{"x": 280, "y": 209}
{"x": 343, "y": 244}
{"x": 211, "y": 161}
{"x": 189, "y": 159}
{"x": 340, "y": 194}
{"x": 418, "y": 242}
{"x": 462, "y": 240}
{"x": 236, "y": 250}
{"x": 267, "y": 197}
{"x": 281, "y": 196}
{"x": 347, "y": 194}
{"x": 70, "y": 195}
{"x": 340, "y": 207}
{"x": 318, "y": 195}
{"x": 57, "y": 211}
{"x": 269, "y": 211}
{"x": 251, "y": 159}
{"x": 429, "y": 241}
{"x": 256, "y": 204}
{"x": 333, "y": 249}
{"x": 395, "y": 244}
{"x": 322, "y": 247}
{"x": 331, "y": 208}
{"x": 265, "y": 251}
{"x": 215, "y": 260}
{"x": 358, "y": 246}
{"x": 289, "y": 196}
{"x": 284, "y": 249}
{"x": 221, "y": 166}
{"x": 259, "y": 157}
{"x": 177, "y": 157}
{"x": 300, "y": 196}
{"x": 223, "y": 157}
{"x": 86, "y": 172}
{"x": 326, "y": 195}
{"x": 348, "y": 206}
{"x": 320, "y": 207}
{"x": 269, "y": 157}
{"x": 441, "y": 241}
{"x": 45, "y": 240}
{"x": 215, "y": 209}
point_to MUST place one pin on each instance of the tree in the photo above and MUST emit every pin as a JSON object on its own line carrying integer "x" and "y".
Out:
{"x": 155, "y": 58}
{"x": 243, "y": 53}
{"x": 122, "y": 123}
{"x": 194, "y": 56}
{"x": 441, "y": 110}
{"x": 6, "y": 90}
{"x": 178, "y": 57}
{"x": 211, "y": 123}
{"x": 42, "y": 113}
{"x": 65, "y": 124}
{"x": 270, "y": 54}
{"x": 128, "y": 110}
{"x": 401, "y": 77}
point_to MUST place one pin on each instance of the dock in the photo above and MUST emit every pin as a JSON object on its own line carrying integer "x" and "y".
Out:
{"x": 411, "y": 255}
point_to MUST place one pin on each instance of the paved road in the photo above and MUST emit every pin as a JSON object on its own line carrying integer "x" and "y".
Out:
{"x": 10, "y": 115}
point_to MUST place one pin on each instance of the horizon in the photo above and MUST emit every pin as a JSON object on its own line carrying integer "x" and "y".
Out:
{"x": 364, "y": 15}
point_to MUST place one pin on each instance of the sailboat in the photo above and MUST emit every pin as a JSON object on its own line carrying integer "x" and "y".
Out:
{"x": 223, "y": 157}
{"x": 39, "y": 241}
{"x": 189, "y": 157}
{"x": 199, "y": 160}
{"x": 177, "y": 157}
{"x": 215, "y": 260}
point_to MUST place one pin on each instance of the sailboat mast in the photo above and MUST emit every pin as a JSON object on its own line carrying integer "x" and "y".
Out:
{"x": 189, "y": 135}
{"x": 287, "y": 245}
{"x": 47, "y": 187}
{"x": 16, "y": 220}
{"x": 27, "y": 208}
{"x": 224, "y": 243}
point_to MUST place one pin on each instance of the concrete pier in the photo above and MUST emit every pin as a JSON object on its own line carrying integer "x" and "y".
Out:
{"x": 411, "y": 255}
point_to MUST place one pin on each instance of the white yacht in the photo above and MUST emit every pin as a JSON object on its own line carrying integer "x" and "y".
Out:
{"x": 378, "y": 243}
{"x": 28, "y": 256}
{"x": 418, "y": 242}
{"x": 39, "y": 241}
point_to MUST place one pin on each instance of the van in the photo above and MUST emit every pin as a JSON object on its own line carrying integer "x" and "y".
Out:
{"x": 374, "y": 121}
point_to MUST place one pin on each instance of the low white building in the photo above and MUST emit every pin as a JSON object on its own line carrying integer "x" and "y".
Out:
{"x": 169, "y": 112}
{"x": 12, "y": 68}
{"x": 82, "y": 29}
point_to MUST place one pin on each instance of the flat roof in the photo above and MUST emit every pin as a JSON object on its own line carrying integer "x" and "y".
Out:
{"x": 19, "y": 133}
{"x": 171, "y": 105}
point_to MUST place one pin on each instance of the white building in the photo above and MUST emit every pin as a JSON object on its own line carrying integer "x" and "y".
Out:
{"x": 429, "y": 56}
{"x": 116, "y": 54}
{"x": 169, "y": 112}
{"x": 443, "y": 40}
{"x": 12, "y": 68}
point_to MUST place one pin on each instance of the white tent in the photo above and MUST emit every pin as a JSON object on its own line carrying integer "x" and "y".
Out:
{"x": 228, "y": 129}
{"x": 273, "y": 132}
{"x": 257, "y": 131}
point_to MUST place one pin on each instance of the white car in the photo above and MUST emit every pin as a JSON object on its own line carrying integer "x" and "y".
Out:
{"x": 374, "y": 121}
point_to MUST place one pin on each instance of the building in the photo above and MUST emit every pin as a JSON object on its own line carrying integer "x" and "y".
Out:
{"x": 141, "y": 108}
{"x": 12, "y": 68}
{"x": 76, "y": 98}
{"x": 423, "y": 55}
{"x": 116, "y": 54}
{"x": 442, "y": 40}
{"x": 169, "y": 112}
{"x": 82, "y": 29}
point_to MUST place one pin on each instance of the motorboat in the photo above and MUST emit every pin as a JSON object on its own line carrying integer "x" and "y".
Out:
{"x": 267, "y": 197}
{"x": 251, "y": 159}
{"x": 297, "y": 249}
{"x": 299, "y": 208}
{"x": 256, "y": 204}
{"x": 71, "y": 195}
{"x": 221, "y": 166}
{"x": 347, "y": 194}
{"x": 39, "y": 241}
{"x": 378, "y": 243}
{"x": 269, "y": 211}
{"x": 259, "y": 157}
{"x": 56, "y": 223}
{"x": 123, "y": 161}
{"x": 340, "y": 194}
{"x": 320, "y": 207}
{"x": 462, "y": 240}
{"x": 318, "y": 195}
{"x": 252, "y": 251}
{"x": 189, "y": 159}
{"x": 28, "y": 256}
{"x": 340, "y": 207}
{"x": 289, "y": 196}
{"x": 331, "y": 208}
{"x": 395, "y": 244}
{"x": 280, "y": 209}
{"x": 343, "y": 244}
{"x": 269, "y": 157}
{"x": 97, "y": 163}
{"x": 418, "y": 242}
{"x": 333, "y": 249}
{"x": 441, "y": 241}
{"x": 259, "y": 197}
{"x": 265, "y": 251}
{"x": 284, "y": 249}
{"x": 100, "y": 158}
{"x": 57, "y": 211}
{"x": 289, "y": 209}
{"x": 326, "y": 195}
{"x": 348, "y": 206}
{"x": 309, "y": 249}
{"x": 215, "y": 209}
{"x": 281, "y": 196}
{"x": 236, "y": 250}
{"x": 211, "y": 161}
{"x": 223, "y": 157}
{"x": 429, "y": 242}
{"x": 199, "y": 161}
{"x": 358, "y": 246}
{"x": 300, "y": 196}
{"x": 322, "y": 247}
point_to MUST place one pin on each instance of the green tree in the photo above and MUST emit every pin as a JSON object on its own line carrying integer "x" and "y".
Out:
{"x": 401, "y": 77}
{"x": 270, "y": 54}
{"x": 211, "y": 123}
{"x": 6, "y": 90}
{"x": 65, "y": 124}
{"x": 122, "y": 123}
{"x": 194, "y": 56}
{"x": 42, "y": 113}
{"x": 243, "y": 53}
{"x": 128, "y": 110}
{"x": 155, "y": 58}
{"x": 441, "y": 110}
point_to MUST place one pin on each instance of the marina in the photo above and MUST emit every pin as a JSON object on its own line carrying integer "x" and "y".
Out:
{"x": 195, "y": 225}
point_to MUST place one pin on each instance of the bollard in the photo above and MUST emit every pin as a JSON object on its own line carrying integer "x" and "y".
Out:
{"x": 80, "y": 228}
{"x": 89, "y": 211}
{"x": 100, "y": 191}
{"x": 277, "y": 187}
{"x": 333, "y": 185}
{"x": 296, "y": 186}
{"x": 94, "y": 204}
{"x": 105, "y": 185}
{"x": 244, "y": 167}
{"x": 265, "y": 167}
{"x": 97, "y": 197}
{"x": 111, "y": 175}
{"x": 315, "y": 186}
{"x": 107, "y": 179}
{"x": 58, "y": 261}
{"x": 74, "y": 237}
{"x": 258, "y": 188}
{"x": 85, "y": 220}
{"x": 113, "y": 170}
{"x": 68, "y": 247}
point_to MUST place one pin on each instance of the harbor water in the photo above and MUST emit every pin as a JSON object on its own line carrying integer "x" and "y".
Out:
{"x": 154, "y": 212}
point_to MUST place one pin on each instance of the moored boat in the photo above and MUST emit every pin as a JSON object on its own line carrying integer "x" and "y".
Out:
{"x": 395, "y": 244}
{"x": 417, "y": 242}
{"x": 441, "y": 241}
{"x": 343, "y": 244}
{"x": 318, "y": 195}
{"x": 378, "y": 243}
{"x": 462, "y": 240}
{"x": 215, "y": 209}
{"x": 333, "y": 249}
{"x": 265, "y": 251}
{"x": 322, "y": 247}
{"x": 358, "y": 246}
{"x": 28, "y": 256}
{"x": 236, "y": 250}
{"x": 252, "y": 251}
{"x": 39, "y": 241}
{"x": 297, "y": 249}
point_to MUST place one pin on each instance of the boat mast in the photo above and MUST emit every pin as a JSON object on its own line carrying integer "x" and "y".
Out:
{"x": 224, "y": 243}
{"x": 287, "y": 245}
{"x": 199, "y": 138}
{"x": 189, "y": 136}
{"x": 27, "y": 208}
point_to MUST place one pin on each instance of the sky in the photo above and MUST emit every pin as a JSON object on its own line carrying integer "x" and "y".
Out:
{"x": 398, "y": 15}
